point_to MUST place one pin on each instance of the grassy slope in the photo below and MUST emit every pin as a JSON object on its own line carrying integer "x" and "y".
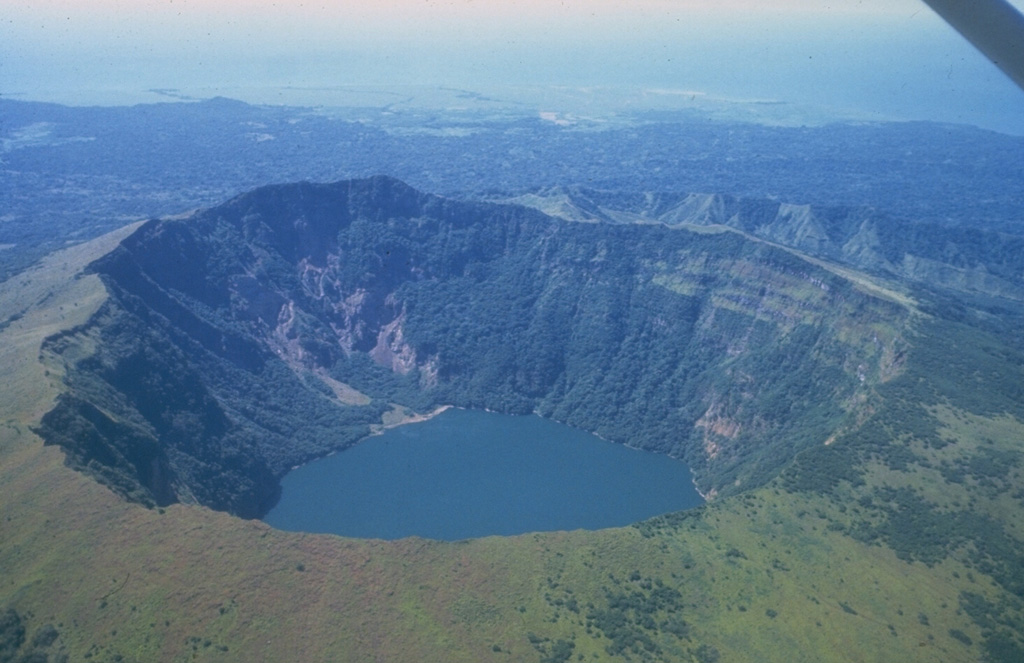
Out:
{"x": 119, "y": 580}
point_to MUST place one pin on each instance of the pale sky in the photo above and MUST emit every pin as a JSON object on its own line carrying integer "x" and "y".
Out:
{"x": 294, "y": 24}
{"x": 831, "y": 52}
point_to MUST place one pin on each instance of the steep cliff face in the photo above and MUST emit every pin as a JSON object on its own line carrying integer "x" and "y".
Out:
{"x": 963, "y": 260}
{"x": 282, "y": 324}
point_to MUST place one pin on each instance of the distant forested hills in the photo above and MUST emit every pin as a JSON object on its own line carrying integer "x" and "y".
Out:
{"x": 73, "y": 173}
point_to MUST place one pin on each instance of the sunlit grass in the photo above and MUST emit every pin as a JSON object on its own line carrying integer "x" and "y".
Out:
{"x": 762, "y": 576}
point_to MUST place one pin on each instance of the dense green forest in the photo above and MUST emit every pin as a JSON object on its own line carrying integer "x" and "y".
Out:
{"x": 729, "y": 353}
{"x": 859, "y": 439}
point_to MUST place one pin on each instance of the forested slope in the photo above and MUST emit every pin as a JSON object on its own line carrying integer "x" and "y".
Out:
{"x": 864, "y": 442}
{"x": 206, "y": 384}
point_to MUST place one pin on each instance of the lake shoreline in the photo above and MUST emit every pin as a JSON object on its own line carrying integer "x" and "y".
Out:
{"x": 397, "y": 418}
{"x": 473, "y": 473}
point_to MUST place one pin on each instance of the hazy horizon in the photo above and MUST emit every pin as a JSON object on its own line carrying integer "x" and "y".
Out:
{"x": 890, "y": 60}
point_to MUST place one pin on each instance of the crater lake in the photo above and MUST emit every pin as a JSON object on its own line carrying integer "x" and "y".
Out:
{"x": 468, "y": 473}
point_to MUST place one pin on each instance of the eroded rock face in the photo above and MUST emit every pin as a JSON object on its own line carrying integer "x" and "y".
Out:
{"x": 297, "y": 315}
{"x": 964, "y": 260}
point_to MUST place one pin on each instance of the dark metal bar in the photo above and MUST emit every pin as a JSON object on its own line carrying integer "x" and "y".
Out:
{"x": 995, "y": 28}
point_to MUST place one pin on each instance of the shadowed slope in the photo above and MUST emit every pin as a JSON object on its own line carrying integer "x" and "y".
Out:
{"x": 206, "y": 383}
{"x": 898, "y": 539}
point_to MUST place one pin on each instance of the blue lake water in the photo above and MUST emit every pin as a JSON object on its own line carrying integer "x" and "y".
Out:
{"x": 467, "y": 473}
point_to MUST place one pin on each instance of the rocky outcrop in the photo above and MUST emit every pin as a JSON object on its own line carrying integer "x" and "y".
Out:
{"x": 962, "y": 260}
{"x": 281, "y": 326}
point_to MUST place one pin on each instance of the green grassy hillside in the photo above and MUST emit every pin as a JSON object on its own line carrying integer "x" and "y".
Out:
{"x": 893, "y": 532}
